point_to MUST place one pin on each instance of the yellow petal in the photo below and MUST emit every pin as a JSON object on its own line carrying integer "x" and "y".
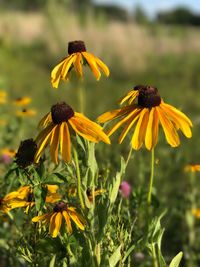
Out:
{"x": 56, "y": 73}
{"x": 42, "y": 140}
{"x": 68, "y": 222}
{"x": 78, "y": 65}
{"x": 52, "y": 188}
{"x": 102, "y": 66}
{"x": 131, "y": 96}
{"x": 67, "y": 65}
{"x": 178, "y": 119}
{"x": 77, "y": 219}
{"x": 88, "y": 129}
{"x": 140, "y": 129}
{"x": 65, "y": 143}
{"x": 54, "y": 142}
{"x": 149, "y": 131}
{"x": 45, "y": 121}
{"x": 110, "y": 115}
{"x": 55, "y": 224}
{"x": 168, "y": 128}
{"x": 92, "y": 64}
{"x": 41, "y": 217}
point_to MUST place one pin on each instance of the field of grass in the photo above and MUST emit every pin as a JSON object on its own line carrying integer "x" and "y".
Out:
{"x": 166, "y": 57}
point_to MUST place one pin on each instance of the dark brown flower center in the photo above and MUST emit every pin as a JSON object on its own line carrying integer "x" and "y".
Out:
{"x": 138, "y": 87}
{"x": 61, "y": 206}
{"x": 76, "y": 46}
{"x": 30, "y": 197}
{"x": 26, "y": 152}
{"x": 61, "y": 112}
{"x": 148, "y": 97}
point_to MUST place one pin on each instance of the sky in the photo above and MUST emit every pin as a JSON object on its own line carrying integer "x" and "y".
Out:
{"x": 152, "y": 6}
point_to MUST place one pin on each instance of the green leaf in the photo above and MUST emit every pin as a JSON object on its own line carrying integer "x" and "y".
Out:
{"x": 52, "y": 262}
{"x": 115, "y": 257}
{"x": 176, "y": 260}
{"x": 40, "y": 193}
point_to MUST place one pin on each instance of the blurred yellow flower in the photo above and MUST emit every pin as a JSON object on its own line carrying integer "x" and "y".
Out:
{"x": 91, "y": 195}
{"x": 54, "y": 218}
{"x": 24, "y": 197}
{"x": 146, "y": 114}
{"x": 26, "y": 112}
{"x": 76, "y": 58}
{"x": 3, "y": 97}
{"x": 3, "y": 122}
{"x": 8, "y": 152}
{"x": 196, "y": 213}
{"x": 192, "y": 168}
{"x": 58, "y": 124}
{"x": 22, "y": 101}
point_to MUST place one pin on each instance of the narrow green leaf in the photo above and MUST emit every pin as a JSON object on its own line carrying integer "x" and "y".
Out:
{"x": 52, "y": 262}
{"x": 115, "y": 257}
{"x": 176, "y": 260}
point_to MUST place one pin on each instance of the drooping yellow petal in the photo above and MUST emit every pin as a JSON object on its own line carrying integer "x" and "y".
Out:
{"x": 155, "y": 128}
{"x": 77, "y": 219}
{"x": 179, "y": 120}
{"x": 65, "y": 143}
{"x": 41, "y": 217}
{"x": 78, "y": 65}
{"x": 54, "y": 142}
{"x": 68, "y": 222}
{"x": 130, "y": 97}
{"x": 42, "y": 140}
{"x": 149, "y": 131}
{"x": 133, "y": 113}
{"x": 52, "y": 188}
{"x": 128, "y": 126}
{"x": 88, "y": 129}
{"x": 56, "y": 73}
{"x": 140, "y": 129}
{"x": 45, "y": 121}
{"x": 55, "y": 224}
{"x": 67, "y": 65}
{"x": 92, "y": 64}
{"x": 110, "y": 115}
{"x": 102, "y": 66}
{"x": 168, "y": 128}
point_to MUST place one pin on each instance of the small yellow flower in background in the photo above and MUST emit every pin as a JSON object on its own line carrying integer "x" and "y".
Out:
{"x": 54, "y": 218}
{"x": 91, "y": 195}
{"x": 26, "y": 112}
{"x": 76, "y": 58}
{"x": 24, "y": 197}
{"x": 58, "y": 124}
{"x": 196, "y": 213}
{"x": 146, "y": 114}
{"x": 3, "y": 122}
{"x": 22, "y": 101}
{"x": 192, "y": 168}
{"x": 3, "y": 97}
{"x": 8, "y": 152}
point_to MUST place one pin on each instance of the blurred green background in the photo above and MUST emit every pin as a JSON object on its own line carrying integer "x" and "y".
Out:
{"x": 163, "y": 51}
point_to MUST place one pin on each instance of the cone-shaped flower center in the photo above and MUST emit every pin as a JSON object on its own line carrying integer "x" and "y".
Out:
{"x": 61, "y": 206}
{"x": 26, "y": 152}
{"x": 76, "y": 46}
{"x": 61, "y": 112}
{"x": 139, "y": 87}
{"x": 148, "y": 97}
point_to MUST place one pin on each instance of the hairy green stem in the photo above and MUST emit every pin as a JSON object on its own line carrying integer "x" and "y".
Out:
{"x": 151, "y": 177}
{"x": 78, "y": 179}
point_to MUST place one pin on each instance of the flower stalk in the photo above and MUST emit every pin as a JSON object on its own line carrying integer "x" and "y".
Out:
{"x": 151, "y": 178}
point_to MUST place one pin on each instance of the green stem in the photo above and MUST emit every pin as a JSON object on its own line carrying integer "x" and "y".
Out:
{"x": 129, "y": 156}
{"x": 78, "y": 179}
{"x": 155, "y": 262}
{"x": 151, "y": 178}
{"x": 81, "y": 96}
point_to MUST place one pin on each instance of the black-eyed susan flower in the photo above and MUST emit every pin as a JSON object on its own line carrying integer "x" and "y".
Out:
{"x": 192, "y": 168}
{"x": 58, "y": 124}
{"x": 54, "y": 218}
{"x": 77, "y": 56}
{"x": 26, "y": 112}
{"x": 24, "y": 197}
{"x": 26, "y": 153}
{"x": 5, "y": 202}
{"x": 3, "y": 97}
{"x": 22, "y": 101}
{"x": 146, "y": 115}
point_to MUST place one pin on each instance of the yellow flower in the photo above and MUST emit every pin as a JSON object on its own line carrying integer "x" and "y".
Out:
{"x": 146, "y": 114}
{"x": 3, "y": 97}
{"x": 22, "y": 101}
{"x": 8, "y": 152}
{"x": 5, "y": 202}
{"x": 24, "y": 197}
{"x": 58, "y": 124}
{"x": 26, "y": 112}
{"x": 54, "y": 218}
{"x": 196, "y": 213}
{"x": 92, "y": 195}
{"x": 76, "y": 58}
{"x": 192, "y": 168}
